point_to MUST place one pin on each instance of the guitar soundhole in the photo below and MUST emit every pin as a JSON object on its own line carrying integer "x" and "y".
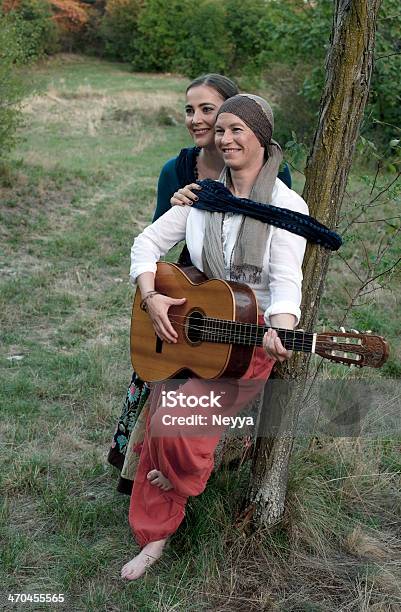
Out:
{"x": 194, "y": 327}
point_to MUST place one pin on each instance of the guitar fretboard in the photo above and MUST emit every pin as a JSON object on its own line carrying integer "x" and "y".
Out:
{"x": 250, "y": 334}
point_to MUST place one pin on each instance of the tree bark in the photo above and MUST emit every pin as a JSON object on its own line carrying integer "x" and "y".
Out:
{"x": 348, "y": 71}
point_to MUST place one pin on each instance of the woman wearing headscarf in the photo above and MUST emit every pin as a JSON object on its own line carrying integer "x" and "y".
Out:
{"x": 204, "y": 97}
{"x": 254, "y": 249}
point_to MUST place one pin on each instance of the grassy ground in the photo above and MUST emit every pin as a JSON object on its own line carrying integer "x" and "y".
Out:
{"x": 82, "y": 184}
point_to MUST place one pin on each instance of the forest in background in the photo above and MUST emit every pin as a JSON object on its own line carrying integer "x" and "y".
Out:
{"x": 259, "y": 42}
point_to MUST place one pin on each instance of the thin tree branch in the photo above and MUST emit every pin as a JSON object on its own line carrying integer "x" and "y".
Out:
{"x": 379, "y": 165}
{"x": 386, "y": 56}
{"x": 381, "y": 274}
{"x": 366, "y": 255}
{"x": 386, "y": 248}
{"x": 386, "y": 188}
{"x": 379, "y": 220}
{"x": 350, "y": 268}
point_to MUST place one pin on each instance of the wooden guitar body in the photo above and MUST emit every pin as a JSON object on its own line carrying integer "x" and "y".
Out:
{"x": 154, "y": 360}
{"x": 218, "y": 329}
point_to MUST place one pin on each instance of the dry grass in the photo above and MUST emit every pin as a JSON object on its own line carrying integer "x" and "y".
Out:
{"x": 87, "y": 112}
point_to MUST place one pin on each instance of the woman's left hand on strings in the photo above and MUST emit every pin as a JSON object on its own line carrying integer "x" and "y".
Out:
{"x": 271, "y": 341}
{"x": 273, "y": 346}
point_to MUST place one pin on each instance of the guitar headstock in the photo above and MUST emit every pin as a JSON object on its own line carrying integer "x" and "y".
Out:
{"x": 353, "y": 348}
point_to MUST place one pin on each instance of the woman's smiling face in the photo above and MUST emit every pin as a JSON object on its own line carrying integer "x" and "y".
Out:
{"x": 237, "y": 143}
{"x": 201, "y": 108}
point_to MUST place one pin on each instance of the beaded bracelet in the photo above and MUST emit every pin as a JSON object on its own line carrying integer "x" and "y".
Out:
{"x": 150, "y": 294}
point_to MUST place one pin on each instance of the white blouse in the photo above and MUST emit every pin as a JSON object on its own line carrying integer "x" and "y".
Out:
{"x": 280, "y": 288}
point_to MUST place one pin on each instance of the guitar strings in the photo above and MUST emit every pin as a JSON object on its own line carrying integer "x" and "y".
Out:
{"x": 236, "y": 337}
{"x": 245, "y": 326}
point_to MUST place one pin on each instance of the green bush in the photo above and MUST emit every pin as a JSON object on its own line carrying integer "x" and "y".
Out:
{"x": 247, "y": 41}
{"x": 385, "y": 98}
{"x": 93, "y": 40}
{"x": 11, "y": 87}
{"x": 34, "y": 27}
{"x": 119, "y": 27}
{"x": 160, "y": 27}
{"x": 297, "y": 36}
{"x": 180, "y": 36}
{"x": 206, "y": 45}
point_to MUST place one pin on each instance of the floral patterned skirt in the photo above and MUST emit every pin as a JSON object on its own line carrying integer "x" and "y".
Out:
{"x": 135, "y": 400}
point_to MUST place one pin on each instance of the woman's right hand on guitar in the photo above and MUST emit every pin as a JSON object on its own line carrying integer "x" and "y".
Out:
{"x": 186, "y": 195}
{"x": 157, "y": 307}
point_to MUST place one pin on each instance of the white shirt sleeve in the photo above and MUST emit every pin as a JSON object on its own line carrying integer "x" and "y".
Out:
{"x": 157, "y": 239}
{"x": 285, "y": 268}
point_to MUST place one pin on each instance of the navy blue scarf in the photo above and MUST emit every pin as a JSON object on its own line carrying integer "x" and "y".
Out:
{"x": 215, "y": 197}
{"x": 185, "y": 165}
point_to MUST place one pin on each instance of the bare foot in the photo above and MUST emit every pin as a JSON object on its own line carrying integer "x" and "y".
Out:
{"x": 148, "y": 556}
{"x": 156, "y": 478}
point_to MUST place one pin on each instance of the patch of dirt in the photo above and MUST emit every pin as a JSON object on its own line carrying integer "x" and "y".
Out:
{"x": 64, "y": 58}
{"x": 67, "y": 445}
{"x": 40, "y": 211}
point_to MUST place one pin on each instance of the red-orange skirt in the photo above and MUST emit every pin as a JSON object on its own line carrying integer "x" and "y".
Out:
{"x": 185, "y": 453}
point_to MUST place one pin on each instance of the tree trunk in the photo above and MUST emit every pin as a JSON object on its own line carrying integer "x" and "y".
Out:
{"x": 348, "y": 72}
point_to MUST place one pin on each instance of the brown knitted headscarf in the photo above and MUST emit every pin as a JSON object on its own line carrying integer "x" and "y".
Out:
{"x": 255, "y": 112}
{"x": 247, "y": 256}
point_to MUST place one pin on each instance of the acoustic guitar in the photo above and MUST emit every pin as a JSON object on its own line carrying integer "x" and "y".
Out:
{"x": 218, "y": 329}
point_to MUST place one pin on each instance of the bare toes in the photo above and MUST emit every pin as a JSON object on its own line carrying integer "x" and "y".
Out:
{"x": 152, "y": 475}
{"x": 137, "y": 566}
{"x": 156, "y": 478}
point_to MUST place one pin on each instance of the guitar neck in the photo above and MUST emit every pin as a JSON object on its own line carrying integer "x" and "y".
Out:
{"x": 250, "y": 334}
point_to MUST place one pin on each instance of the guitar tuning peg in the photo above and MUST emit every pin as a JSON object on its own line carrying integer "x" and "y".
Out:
{"x": 355, "y": 331}
{"x": 342, "y": 329}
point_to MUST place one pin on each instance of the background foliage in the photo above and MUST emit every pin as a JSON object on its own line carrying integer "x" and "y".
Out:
{"x": 33, "y": 25}
{"x": 249, "y": 40}
{"x": 256, "y": 41}
{"x": 11, "y": 86}
{"x": 119, "y": 28}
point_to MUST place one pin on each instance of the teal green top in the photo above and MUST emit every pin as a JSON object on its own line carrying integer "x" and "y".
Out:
{"x": 166, "y": 187}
